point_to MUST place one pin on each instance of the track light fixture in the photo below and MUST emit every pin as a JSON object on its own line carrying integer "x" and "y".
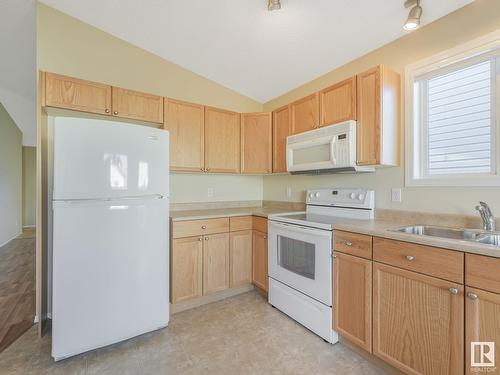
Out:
{"x": 413, "y": 20}
{"x": 273, "y": 4}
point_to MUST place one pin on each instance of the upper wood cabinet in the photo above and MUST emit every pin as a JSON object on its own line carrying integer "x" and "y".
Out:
{"x": 281, "y": 130}
{"x": 215, "y": 263}
{"x": 305, "y": 114}
{"x": 338, "y": 102}
{"x": 222, "y": 140}
{"x": 186, "y": 268}
{"x": 378, "y": 105}
{"x": 186, "y": 124}
{"x": 256, "y": 143}
{"x": 259, "y": 260}
{"x": 240, "y": 258}
{"x": 418, "y": 322}
{"x": 137, "y": 105}
{"x": 77, "y": 94}
{"x": 482, "y": 311}
{"x": 352, "y": 312}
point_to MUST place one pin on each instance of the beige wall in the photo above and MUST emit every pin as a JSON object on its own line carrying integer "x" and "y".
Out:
{"x": 10, "y": 178}
{"x": 29, "y": 186}
{"x": 474, "y": 20}
{"x": 71, "y": 47}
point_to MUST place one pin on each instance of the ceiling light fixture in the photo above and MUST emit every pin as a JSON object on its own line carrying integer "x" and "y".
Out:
{"x": 413, "y": 20}
{"x": 273, "y": 4}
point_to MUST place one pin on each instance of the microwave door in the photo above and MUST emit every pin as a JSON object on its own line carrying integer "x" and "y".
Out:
{"x": 312, "y": 154}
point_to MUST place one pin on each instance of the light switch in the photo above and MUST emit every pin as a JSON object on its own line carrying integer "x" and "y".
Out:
{"x": 210, "y": 192}
{"x": 396, "y": 195}
{"x": 289, "y": 192}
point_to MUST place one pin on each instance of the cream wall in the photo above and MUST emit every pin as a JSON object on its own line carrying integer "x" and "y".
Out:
{"x": 474, "y": 20}
{"x": 71, "y": 47}
{"x": 10, "y": 177}
{"x": 29, "y": 186}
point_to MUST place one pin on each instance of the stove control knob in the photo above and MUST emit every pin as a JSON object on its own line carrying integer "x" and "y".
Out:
{"x": 311, "y": 195}
{"x": 352, "y": 196}
{"x": 361, "y": 197}
{"x": 316, "y": 195}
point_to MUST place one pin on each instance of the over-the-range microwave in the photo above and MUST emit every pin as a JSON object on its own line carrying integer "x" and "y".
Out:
{"x": 329, "y": 149}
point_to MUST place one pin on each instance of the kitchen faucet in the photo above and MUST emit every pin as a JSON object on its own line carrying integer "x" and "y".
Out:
{"x": 486, "y": 216}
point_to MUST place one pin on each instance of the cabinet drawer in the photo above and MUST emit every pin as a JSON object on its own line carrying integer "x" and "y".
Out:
{"x": 482, "y": 272}
{"x": 199, "y": 227}
{"x": 259, "y": 224}
{"x": 437, "y": 262}
{"x": 353, "y": 243}
{"x": 240, "y": 223}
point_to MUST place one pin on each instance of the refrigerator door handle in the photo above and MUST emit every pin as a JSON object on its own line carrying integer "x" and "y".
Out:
{"x": 151, "y": 196}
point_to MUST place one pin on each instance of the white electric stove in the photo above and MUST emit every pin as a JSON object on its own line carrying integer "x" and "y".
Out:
{"x": 300, "y": 255}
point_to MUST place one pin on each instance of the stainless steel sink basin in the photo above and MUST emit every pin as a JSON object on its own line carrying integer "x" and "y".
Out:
{"x": 433, "y": 231}
{"x": 489, "y": 239}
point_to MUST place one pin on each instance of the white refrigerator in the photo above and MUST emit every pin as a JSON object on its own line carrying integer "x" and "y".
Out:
{"x": 110, "y": 244}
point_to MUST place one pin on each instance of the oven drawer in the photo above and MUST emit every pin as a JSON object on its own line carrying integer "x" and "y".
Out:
{"x": 433, "y": 261}
{"x": 356, "y": 244}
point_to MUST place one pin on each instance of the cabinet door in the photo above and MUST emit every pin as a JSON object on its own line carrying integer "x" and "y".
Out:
{"x": 482, "y": 323}
{"x": 281, "y": 130}
{"x": 256, "y": 143}
{"x": 418, "y": 322}
{"x": 240, "y": 258}
{"x": 352, "y": 307}
{"x": 338, "y": 102}
{"x": 77, "y": 94}
{"x": 222, "y": 140}
{"x": 368, "y": 108}
{"x": 305, "y": 114}
{"x": 215, "y": 263}
{"x": 186, "y": 124}
{"x": 137, "y": 105}
{"x": 259, "y": 261}
{"x": 186, "y": 268}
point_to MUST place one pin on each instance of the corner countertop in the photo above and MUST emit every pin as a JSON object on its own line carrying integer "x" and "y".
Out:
{"x": 227, "y": 212}
{"x": 386, "y": 229}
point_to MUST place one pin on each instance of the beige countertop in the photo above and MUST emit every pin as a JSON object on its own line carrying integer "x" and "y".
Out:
{"x": 227, "y": 212}
{"x": 385, "y": 228}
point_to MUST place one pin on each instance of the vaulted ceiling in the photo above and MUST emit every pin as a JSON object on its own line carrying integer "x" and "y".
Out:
{"x": 243, "y": 46}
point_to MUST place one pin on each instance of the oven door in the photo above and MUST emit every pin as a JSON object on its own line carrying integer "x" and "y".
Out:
{"x": 300, "y": 257}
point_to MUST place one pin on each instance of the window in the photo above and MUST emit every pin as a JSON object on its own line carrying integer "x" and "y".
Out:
{"x": 452, "y": 106}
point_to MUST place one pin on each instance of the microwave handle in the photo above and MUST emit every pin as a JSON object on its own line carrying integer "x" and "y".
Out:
{"x": 332, "y": 154}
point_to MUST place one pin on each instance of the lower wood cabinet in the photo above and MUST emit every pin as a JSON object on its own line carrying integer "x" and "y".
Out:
{"x": 418, "y": 322}
{"x": 352, "y": 292}
{"x": 215, "y": 263}
{"x": 240, "y": 258}
{"x": 187, "y": 268}
{"x": 259, "y": 260}
{"x": 482, "y": 324}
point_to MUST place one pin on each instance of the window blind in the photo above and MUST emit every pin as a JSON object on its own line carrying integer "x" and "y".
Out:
{"x": 458, "y": 114}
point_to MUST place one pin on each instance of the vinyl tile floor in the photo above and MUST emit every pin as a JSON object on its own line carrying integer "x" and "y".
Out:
{"x": 239, "y": 335}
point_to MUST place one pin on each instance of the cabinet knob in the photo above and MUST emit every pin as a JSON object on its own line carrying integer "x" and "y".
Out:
{"x": 200, "y": 239}
{"x": 207, "y": 169}
{"x": 453, "y": 290}
{"x": 348, "y": 243}
{"x": 472, "y": 295}
{"x": 106, "y": 110}
{"x": 206, "y": 238}
{"x": 201, "y": 169}
{"x": 115, "y": 112}
{"x": 410, "y": 257}
{"x": 203, "y": 227}
{"x": 265, "y": 237}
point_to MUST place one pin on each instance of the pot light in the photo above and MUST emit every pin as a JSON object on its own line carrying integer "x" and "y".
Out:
{"x": 273, "y": 5}
{"x": 413, "y": 20}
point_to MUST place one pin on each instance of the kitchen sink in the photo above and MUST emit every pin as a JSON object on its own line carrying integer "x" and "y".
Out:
{"x": 473, "y": 235}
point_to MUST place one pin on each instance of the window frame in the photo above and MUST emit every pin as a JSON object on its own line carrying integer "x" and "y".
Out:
{"x": 473, "y": 51}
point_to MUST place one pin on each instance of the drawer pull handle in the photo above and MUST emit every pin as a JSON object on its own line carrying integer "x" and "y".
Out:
{"x": 410, "y": 257}
{"x": 348, "y": 243}
{"x": 472, "y": 295}
{"x": 453, "y": 291}
{"x": 203, "y": 227}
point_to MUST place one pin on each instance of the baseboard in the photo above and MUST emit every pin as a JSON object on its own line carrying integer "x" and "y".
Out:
{"x": 186, "y": 305}
{"x": 35, "y": 321}
{"x": 11, "y": 239}
{"x": 29, "y": 226}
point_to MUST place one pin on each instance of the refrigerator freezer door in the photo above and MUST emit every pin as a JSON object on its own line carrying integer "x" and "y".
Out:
{"x": 102, "y": 159}
{"x": 111, "y": 272}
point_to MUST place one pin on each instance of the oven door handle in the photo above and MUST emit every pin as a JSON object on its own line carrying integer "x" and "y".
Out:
{"x": 300, "y": 229}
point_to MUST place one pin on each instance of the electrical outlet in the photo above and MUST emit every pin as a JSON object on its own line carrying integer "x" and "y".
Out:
{"x": 210, "y": 192}
{"x": 396, "y": 195}
{"x": 288, "y": 192}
